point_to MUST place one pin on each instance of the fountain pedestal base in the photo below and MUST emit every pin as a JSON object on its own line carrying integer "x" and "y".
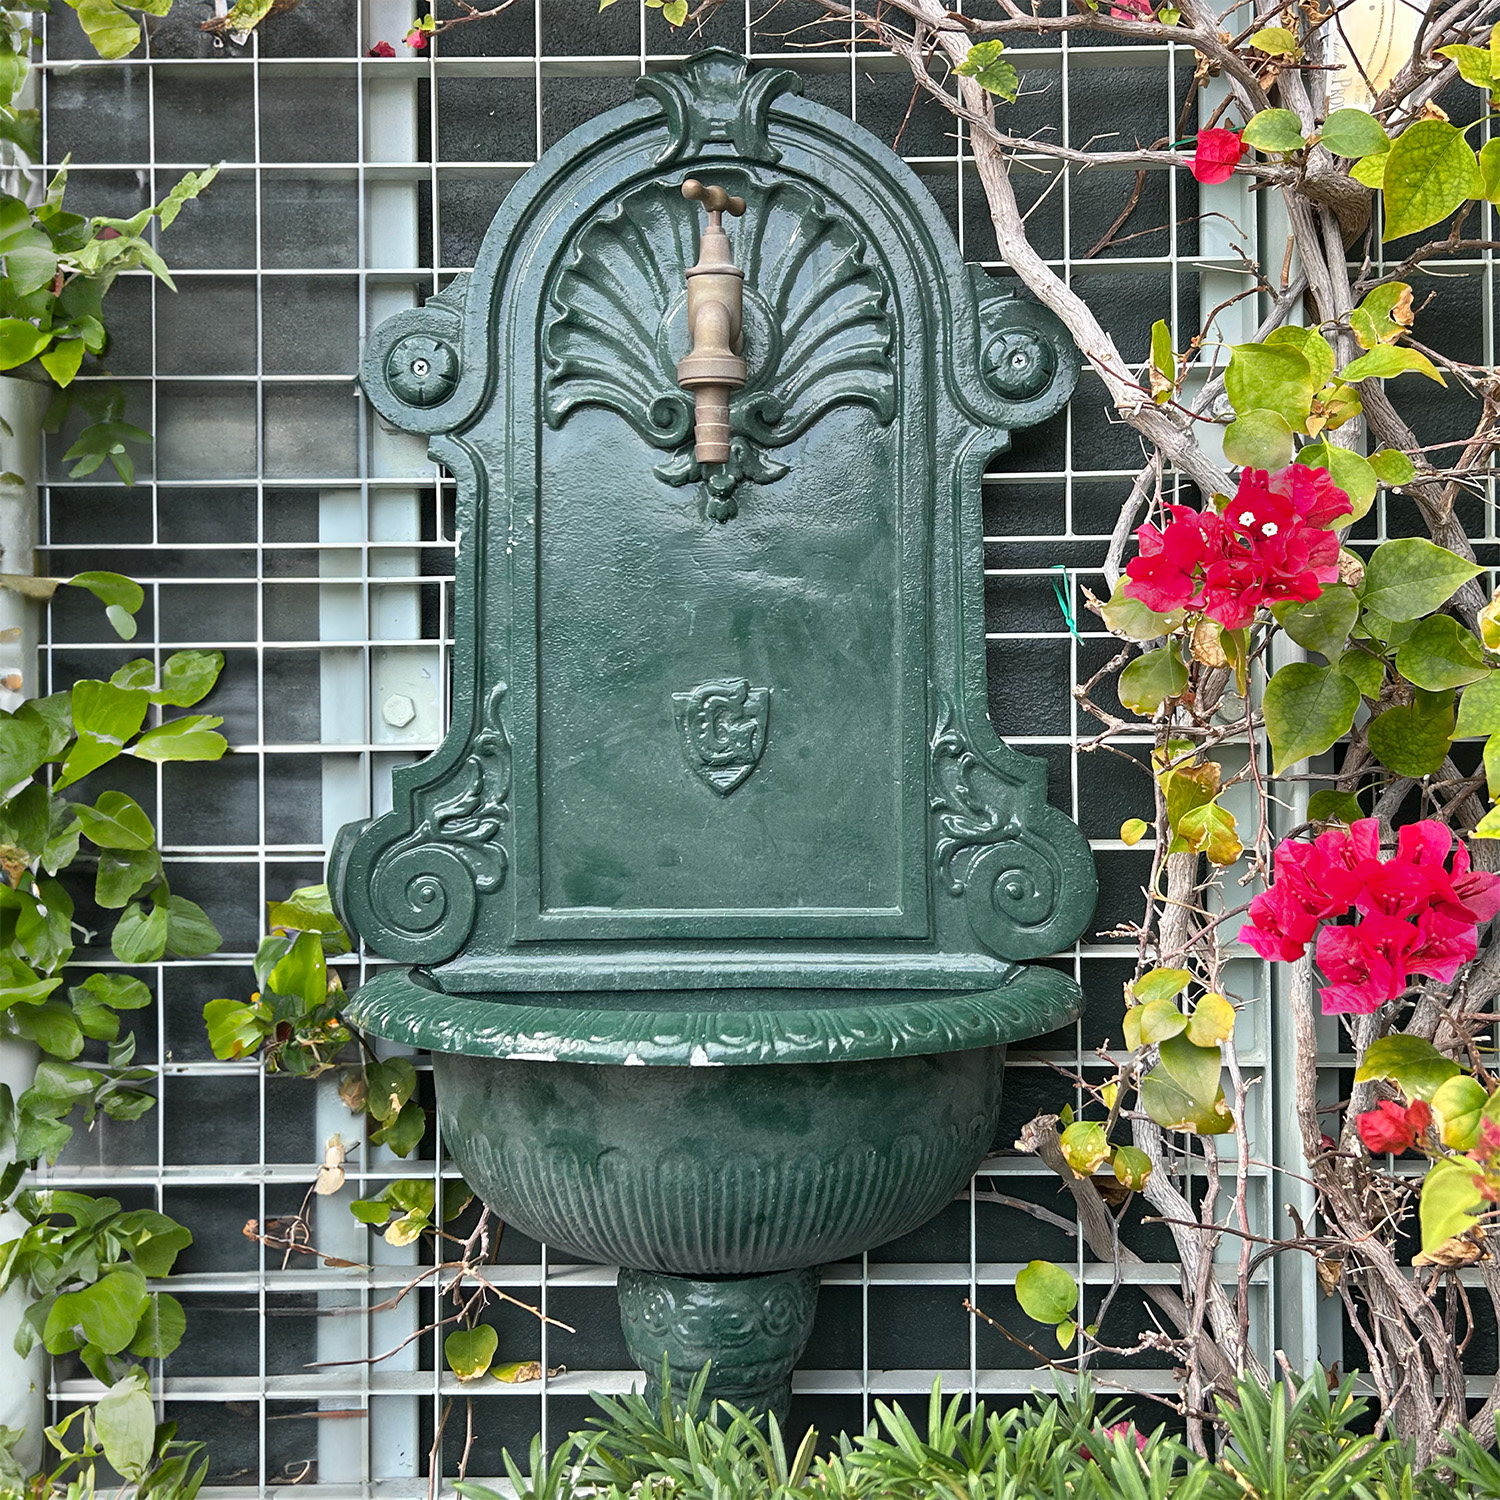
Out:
{"x": 750, "y": 1330}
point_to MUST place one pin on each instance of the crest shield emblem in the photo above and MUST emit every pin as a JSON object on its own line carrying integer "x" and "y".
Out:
{"x": 722, "y": 726}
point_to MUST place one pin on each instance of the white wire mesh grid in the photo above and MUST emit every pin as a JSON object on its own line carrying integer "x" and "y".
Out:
{"x": 280, "y": 525}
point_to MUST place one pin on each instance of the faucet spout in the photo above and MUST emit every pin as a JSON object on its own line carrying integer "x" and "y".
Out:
{"x": 714, "y": 366}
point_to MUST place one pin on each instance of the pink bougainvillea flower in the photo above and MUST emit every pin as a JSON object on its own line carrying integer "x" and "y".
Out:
{"x": 1365, "y": 964}
{"x": 1419, "y": 915}
{"x": 1267, "y": 548}
{"x": 1132, "y": 10}
{"x": 1312, "y": 492}
{"x": 1392, "y": 1127}
{"x": 1164, "y": 576}
{"x": 381, "y": 49}
{"x": 416, "y": 39}
{"x": 1218, "y": 152}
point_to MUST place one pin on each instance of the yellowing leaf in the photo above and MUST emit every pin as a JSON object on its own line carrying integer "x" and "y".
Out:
{"x": 1212, "y": 1021}
{"x": 1133, "y": 830}
{"x": 469, "y": 1351}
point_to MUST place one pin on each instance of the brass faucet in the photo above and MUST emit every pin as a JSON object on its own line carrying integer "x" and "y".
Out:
{"x": 715, "y": 309}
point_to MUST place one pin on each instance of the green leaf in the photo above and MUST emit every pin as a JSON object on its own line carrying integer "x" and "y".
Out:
{"x": 1371, "y": 171}
{"x": 123, "y": 874}
{"x": 1277, "y": 41}
{"x": 1411, "y": 1063}
{"x": 1329, "y": 806}
{"x": 1348, "y": 470}
{"x": 1174, "y": 1108}
{"x": 187, "y": 677}
{"x": 1084, "y": 1147}
{"x": 1210, "y": 829}
{"x": 1322, "y": 624}
{"x": 116, "y": 821}
{"x": 1492, "y": 764}
{"x": 44, "y": 931}
{"x": 1193, "y": 1068}
{"x": 1410, "y": 577}
{"x": 1276, "y": 130}
{"x": 471, "y": 1351}
{"x": 1441, "y": 653}
{"x": 1159, "y": 1021}
{"x": 1450, "y": 1200}
{"x": 1131, "y": 1167}
{"x": 1473, "y": 64}
{"x": 1046, "y": 1292}
{"x": 1129, "y": 617}
{"x": 113, "y": 590}
{"x": 1307, "y": 709}
{"x": 106, "y": 1312}
{"x": 370, "y": 1210}
{"x": 403, "y": 1133}
{"x": 1488, "y": 827}
{"x": 1259, "y": 440}
{"x": 152, "y": 1240}
{"x": 125, "y": 1420}
{"x": 1160, "y": 984}
{"x": 191, "y": 737}
{"x": 19, "y": 342}
{"x": 309, "y": 909}
{"x": 1489, "y": 169}
{"x": 104, "y": 717}
{"x": 139, "y": 673}
{"x": 302, "y": 972}
{"x": 1458, "y": 1103}
{"x": 27, "y": 741}
{"x": 114, "y": 34}
{"x": 1353, "y": 133}
{"x": 1311, "y": 345}
{"x": 1479, "y": 708}
{"x": 161, "y": 1327}
{"x": 21, "y": 985}
{"x": 1366, "y": 672}
{"x": 140, "y": 936}
{"x": 1163, "y": 363}
{"x": 1385, "y": 361}
{"x": 1430, "y": 170}
{"x": 1413, "y": 741}
{"x": 984, "y": 65}
{"x": 1270, "y": 377}
{"x": 62, "y": 360}
{"x": 53, "y": 1027}
{"x": 189, "y": 932}
{"x": 1392, "y": 466}
{"x": 391, "y": 1083}
{"x": 234, "y": 1028}
{"x": 1152, "y": 678}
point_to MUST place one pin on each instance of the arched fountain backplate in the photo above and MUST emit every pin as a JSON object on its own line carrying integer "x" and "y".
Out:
{"x": 719, "y": 893}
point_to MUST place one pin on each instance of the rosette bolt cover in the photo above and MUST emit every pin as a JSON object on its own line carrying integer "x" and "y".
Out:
{"x": 422, "y": 371}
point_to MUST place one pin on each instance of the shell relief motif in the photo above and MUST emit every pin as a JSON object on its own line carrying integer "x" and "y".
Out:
{"x": 817, "y": 328}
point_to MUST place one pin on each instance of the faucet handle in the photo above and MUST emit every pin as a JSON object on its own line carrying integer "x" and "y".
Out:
{"x": 714, "y": 199}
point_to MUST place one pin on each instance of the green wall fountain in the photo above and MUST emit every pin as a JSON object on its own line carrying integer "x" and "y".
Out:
{"x": 713, "y": 907}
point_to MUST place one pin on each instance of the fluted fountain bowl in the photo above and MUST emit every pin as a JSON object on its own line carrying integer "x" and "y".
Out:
{"x": 707, "y": 1172}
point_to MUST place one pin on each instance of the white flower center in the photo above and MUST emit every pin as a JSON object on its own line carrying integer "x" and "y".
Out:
{"x": 1269, "y": 529}
{"x": 1247, "y": 518}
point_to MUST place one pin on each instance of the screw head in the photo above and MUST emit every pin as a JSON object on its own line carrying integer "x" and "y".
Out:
{"x": 398, "y": 711}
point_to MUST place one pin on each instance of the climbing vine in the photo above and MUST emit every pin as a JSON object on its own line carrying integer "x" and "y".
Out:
{"x": 1325, "y": 714}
